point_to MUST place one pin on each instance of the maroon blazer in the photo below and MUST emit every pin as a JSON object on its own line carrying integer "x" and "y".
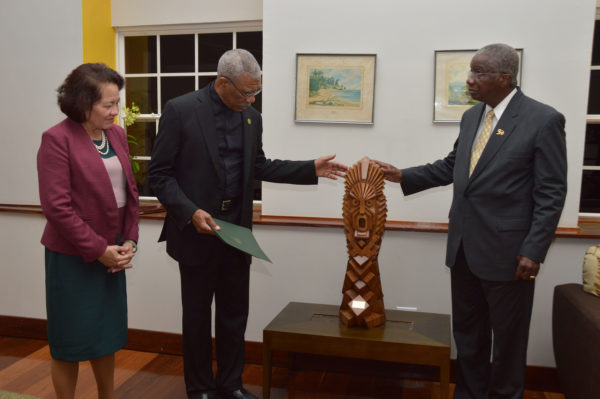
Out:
{"x": 76, "y": 193}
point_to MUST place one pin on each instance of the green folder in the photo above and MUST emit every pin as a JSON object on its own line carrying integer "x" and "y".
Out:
{"x": 239, "y": 237}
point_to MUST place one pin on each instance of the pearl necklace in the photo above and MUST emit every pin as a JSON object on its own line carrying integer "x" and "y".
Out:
{"x": 104, "y": 147}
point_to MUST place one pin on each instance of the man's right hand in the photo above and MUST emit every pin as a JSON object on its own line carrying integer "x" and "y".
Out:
{"x": 390, "y": 172}
{"x": 203, "y": 222}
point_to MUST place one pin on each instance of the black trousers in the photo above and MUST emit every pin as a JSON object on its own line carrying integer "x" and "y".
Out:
{"x": 225, "y": 276}
{"x": 485, "y": 315}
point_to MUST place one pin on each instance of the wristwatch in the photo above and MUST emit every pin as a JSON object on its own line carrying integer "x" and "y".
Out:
{"x": 134, "y": 245}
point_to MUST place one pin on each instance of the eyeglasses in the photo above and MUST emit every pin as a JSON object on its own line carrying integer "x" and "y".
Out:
{"x": 245, "y": 94}
{"x": 478, "y": 75}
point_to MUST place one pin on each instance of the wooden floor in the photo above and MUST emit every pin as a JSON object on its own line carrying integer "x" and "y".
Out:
{"x": 25, "y": 368}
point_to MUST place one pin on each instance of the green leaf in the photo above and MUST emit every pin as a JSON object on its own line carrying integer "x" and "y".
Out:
{"x": 135, "y": 165}
{"x": 130, "y": 114}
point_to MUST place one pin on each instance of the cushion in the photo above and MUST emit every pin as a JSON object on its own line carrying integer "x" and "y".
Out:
{"x": 591, "y": 270}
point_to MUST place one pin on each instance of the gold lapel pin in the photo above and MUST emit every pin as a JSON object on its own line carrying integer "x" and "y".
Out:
{"x": 500, "y": 132}
{"x": 249, "y": 121}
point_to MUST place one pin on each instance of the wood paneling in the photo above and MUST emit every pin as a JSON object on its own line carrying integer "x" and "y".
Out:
{"x": 144, "y": 347}
{"x": 588, "y": 228}
{"x": 159, "y": 376}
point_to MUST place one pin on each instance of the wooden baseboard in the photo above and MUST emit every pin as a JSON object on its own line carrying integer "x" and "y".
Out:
{"x": 537, "y": 378}
{"x": 137, "y": 340}
{"x": 23, "y": 327}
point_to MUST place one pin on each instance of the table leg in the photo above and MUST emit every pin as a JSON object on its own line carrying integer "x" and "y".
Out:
{"x": 267, "y": 356}
{"x": 445, "y": 379}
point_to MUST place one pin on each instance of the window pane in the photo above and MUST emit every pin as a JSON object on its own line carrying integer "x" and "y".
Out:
{"x": 142, "y": 91}
{"x": 251, "y": 41}
{"x": 205, "y": 80}
{"x": 140, "y": 54}
{"x": 210, "y": 48}
{"x": 596, "y": 45}
{"x": 177, "y": 53}
{"x": 591, "y": 154}
{"x": 594, "y": 98}
{"x": 141, "y": 180}
{"x": 174, "y": 86}
{"x": 590, "y": 192}
{"x": 145, "y": 134}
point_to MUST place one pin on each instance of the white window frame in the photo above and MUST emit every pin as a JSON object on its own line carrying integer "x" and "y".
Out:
{"x": 591, "y": 119}
{"x": 162, "y": 30}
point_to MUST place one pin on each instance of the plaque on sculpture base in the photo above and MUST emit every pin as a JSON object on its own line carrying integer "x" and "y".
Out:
{"x": 364, "y": 214}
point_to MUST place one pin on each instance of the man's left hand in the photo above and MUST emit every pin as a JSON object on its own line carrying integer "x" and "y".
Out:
{"x": 527, "y": 269}
{"x": 326, "y": 168}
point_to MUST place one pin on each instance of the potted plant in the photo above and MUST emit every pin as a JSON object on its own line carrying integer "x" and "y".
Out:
{"x": 130, "y": 115}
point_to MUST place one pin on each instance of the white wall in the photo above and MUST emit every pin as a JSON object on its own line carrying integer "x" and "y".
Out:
{"x": 308, "y": 266}
{"x": 40, "y": 46}
{"x": 144, "y": 12}
{"x": 404, "y": 36}
{"x": 309, "y": 263}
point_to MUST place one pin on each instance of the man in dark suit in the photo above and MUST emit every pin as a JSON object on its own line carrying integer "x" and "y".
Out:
{"x": 207, "y": 155}
{"x": 509, "y": 172}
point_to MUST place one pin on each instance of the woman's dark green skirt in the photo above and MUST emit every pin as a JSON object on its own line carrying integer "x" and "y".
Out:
{"x": 86, "y": 308}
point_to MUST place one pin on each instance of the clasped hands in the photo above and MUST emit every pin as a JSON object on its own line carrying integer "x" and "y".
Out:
{"x": 117, "y": 257}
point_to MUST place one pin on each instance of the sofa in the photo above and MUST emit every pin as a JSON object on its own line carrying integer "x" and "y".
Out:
{"x": 576, "y": 341}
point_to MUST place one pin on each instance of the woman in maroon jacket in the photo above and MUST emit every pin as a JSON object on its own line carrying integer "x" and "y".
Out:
{"x": 90, "y": 200}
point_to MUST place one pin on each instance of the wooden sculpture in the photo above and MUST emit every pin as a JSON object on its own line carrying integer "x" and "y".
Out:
{"x": 364, "y": 213}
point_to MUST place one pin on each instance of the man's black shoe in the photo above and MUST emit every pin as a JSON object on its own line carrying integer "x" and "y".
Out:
{"x": 207, "y": 395}
{"x": 238, "y": 394}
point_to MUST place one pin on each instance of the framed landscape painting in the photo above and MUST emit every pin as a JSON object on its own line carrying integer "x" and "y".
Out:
{"x": 335, "y": 88}
{"x": 451, "y": 96}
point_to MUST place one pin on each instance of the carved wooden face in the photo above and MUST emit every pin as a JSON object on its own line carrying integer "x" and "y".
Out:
{"x": 364, "y": 204}
{"x": 363, "y": 209}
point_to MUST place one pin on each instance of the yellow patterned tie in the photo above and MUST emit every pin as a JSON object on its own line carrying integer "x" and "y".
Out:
{"x": 482, "y": 140}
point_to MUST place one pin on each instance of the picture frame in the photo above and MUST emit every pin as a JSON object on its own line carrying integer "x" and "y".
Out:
{"x": 335, "y": 88}
{"x": 450, "y": 96}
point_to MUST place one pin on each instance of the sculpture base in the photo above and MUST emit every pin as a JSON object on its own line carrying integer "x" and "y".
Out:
{"x": 349, "y": 319}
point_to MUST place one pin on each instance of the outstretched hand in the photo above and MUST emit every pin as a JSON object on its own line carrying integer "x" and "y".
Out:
{"x": 390, "y": 172}
{"x": 326, "y": 168}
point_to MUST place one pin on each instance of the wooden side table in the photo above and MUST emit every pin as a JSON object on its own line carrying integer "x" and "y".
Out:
{"x": 406, "y": 337}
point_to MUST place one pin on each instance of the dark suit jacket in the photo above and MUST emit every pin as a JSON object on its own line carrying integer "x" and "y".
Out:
{"x": 76, "y": 193}
{"x": 185, "y": 172}
{"x": 512, "y": 202}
